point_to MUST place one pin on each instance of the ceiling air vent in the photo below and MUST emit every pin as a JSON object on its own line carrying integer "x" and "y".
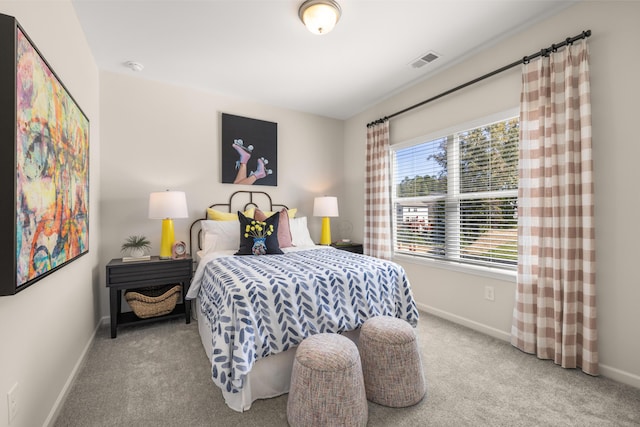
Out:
{"x": 424, "y": 59}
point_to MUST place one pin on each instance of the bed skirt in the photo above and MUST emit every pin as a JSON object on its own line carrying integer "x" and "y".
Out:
{"x": 269, "y": 377}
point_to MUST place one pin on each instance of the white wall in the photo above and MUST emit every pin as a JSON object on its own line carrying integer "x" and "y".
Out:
{"x": 158, "y": 136}
{"x": 615, "y": 88}
{"x": 45, "y": 329}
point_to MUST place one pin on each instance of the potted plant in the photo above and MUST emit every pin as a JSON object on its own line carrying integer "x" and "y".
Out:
{"x": 136, "y": 246}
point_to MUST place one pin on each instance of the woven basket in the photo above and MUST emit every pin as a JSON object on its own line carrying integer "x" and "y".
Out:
{"x": 152, "y": 302}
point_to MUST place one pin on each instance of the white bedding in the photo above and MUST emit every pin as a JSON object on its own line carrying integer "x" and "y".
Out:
{"x": 253, "y": 311}
{"x": 270, "y": 377}
{"x": 205, "y": 256}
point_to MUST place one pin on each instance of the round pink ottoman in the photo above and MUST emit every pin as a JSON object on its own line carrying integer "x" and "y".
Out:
{"x": 391, "y": 363}
{"x": 327, "y": 388}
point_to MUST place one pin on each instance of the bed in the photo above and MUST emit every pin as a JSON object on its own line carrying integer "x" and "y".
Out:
{"x": 253, "y": 311}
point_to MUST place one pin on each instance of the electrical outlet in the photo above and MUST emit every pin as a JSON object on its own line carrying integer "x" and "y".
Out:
{"x": 488, "y": 293}
{"x": 12, "y": 401}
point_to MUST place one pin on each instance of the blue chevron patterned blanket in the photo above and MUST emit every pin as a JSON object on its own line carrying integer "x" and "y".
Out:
{"x": 263, "y": 305}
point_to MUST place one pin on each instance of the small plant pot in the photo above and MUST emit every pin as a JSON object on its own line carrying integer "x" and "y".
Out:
{"x": 136, "y": 252}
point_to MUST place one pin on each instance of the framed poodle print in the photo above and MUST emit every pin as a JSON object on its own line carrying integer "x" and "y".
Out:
{"x": 249, "y": 151}
{"x": 44, "y": 173}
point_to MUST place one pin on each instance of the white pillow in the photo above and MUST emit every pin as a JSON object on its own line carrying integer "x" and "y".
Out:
{"x": 220, "y": 235}
{"x": 299, "y": 232}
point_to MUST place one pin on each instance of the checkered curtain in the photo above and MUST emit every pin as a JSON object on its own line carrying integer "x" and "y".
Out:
{"x": 555, "y": 312}
{"x": 377, "y": 221}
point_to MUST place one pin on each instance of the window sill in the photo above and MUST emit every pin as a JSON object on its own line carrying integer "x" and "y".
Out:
{"x": 494, "y": 273}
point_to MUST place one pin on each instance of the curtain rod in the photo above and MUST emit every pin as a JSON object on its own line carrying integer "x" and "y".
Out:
{"x": 525, "y": 60}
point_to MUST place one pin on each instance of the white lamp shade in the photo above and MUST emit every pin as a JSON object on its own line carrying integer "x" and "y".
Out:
{"x": 168, "y": 204}
{"x": 325, "y": 206}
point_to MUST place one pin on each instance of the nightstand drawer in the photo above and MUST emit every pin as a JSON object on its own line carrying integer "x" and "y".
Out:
{"x": 147, "y": 272}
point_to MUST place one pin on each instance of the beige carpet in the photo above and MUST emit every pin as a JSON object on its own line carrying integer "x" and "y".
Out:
{"x": 158, "y": 375}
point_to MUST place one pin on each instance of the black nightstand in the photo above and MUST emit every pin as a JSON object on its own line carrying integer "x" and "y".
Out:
{"x": 140, "y": 274}
{"x": 351, "y": 247}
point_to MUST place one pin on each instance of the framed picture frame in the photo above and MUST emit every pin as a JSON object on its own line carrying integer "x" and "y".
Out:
{"x": 249, "y": 151}
{"x": 44, "y": 165}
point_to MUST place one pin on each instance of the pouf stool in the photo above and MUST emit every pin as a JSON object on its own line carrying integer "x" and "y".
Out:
{"x": 327, "y": 388}
{"x": 391, "y": 363}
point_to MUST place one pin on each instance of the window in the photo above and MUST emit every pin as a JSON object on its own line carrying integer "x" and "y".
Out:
{"x": 455, "y": 197}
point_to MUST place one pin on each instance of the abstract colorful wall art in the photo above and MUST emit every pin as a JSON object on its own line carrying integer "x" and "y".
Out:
{"x": 50, "y": 150}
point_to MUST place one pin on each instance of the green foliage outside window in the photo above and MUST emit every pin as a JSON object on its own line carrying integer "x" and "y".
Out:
{"x": 484, "y": 205}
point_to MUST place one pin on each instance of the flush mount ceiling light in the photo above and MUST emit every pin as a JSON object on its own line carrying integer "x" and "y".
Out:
{"x": 320, "y": 16}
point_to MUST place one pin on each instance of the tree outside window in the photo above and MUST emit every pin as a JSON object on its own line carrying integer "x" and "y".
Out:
{"x": 455, "y": 197}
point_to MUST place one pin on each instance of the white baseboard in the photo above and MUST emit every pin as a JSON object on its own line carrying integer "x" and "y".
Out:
{"x": 606, "y": 371}
{"x": 57, "y": 406}
{"x": 620, "y": 376}
{"x": 488, "y": 330}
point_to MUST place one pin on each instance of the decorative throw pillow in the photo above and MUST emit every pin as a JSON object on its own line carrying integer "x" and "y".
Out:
{"x": 284, "y": 233}
{"x": 251, "y": 233}
{"x": 249, "y": 213}
{"x": 299, "y": 232}
{"x": 216, "y": 215}
{"x": 290, "y": 212}
{"x": 220, "y": 235}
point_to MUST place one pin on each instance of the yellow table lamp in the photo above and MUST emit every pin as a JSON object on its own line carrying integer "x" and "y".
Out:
{"x": 167, "y": 205}
{"x": 326, "y": 207}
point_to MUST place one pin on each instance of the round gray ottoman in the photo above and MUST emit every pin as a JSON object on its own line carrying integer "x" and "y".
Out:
{"x": 391, "y": 363}
{"x": 327, "y": 388}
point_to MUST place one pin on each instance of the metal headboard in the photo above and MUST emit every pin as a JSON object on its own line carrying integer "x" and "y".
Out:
{"x": 256, "y": 199}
